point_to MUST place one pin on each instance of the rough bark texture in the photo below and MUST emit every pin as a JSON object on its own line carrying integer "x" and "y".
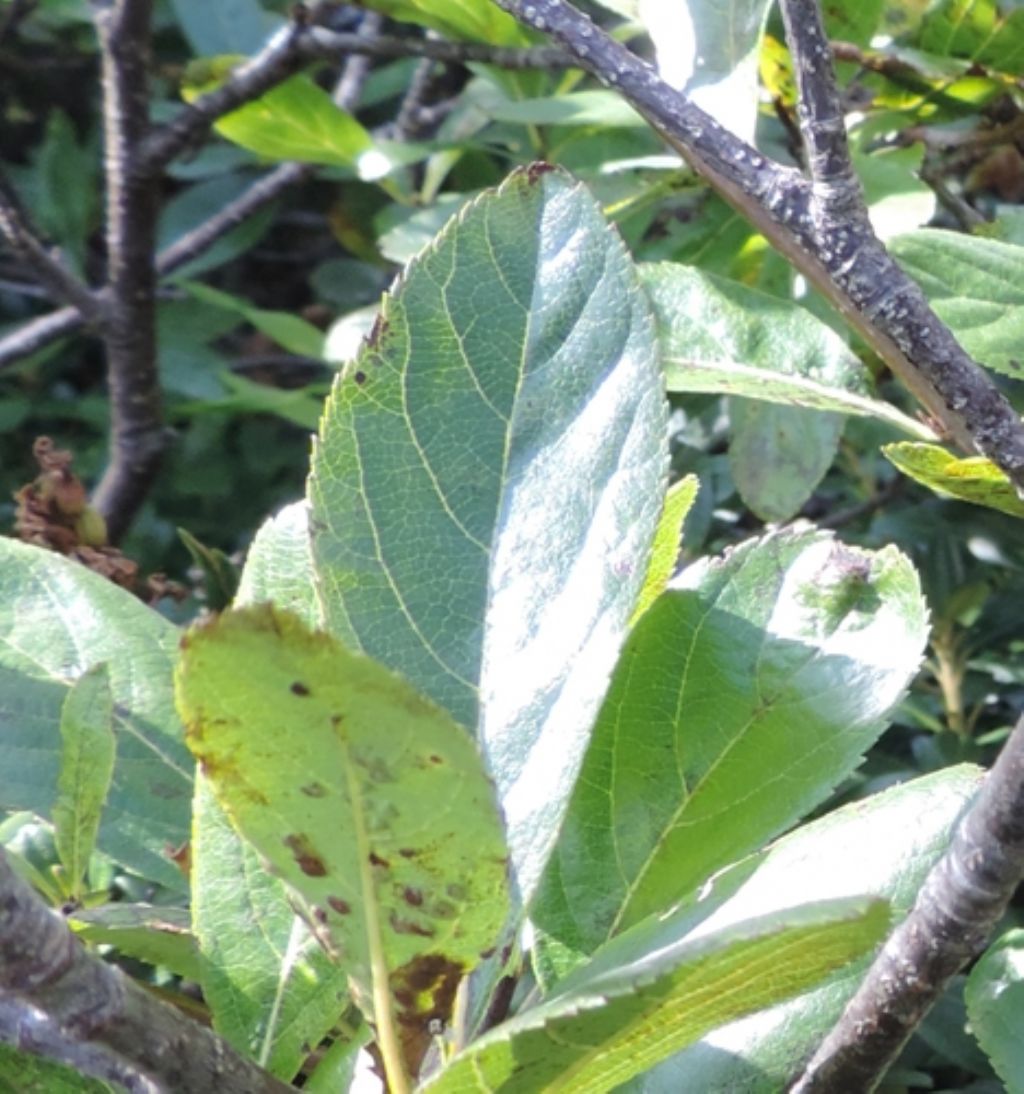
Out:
{"x": 825, "y": 235}
{"x": 59, "y": 1001}
{"x": 138, "y": 437}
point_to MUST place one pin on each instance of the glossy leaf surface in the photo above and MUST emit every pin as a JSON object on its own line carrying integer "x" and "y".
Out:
{"x": 487, "y": 482}
{"x": 743, "y": 696}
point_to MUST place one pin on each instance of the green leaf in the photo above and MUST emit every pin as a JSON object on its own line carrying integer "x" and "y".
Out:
{"x": 364, "y": 797}
{"x": 779, "y": 454}
{"x": 974, "y": 479}
{"x": 985, "y": 31}
{"x": 605, "y": 1028}
{"x": 287, "y": 330}
{"x": 994, "y": 994}
{"x": 220, "y": 578}
{"x": 475, "y": 20}
{"x": 976, "y": 286}
{"x": 588, "y": 108}
{"x": 488, "y": 479}
{"x": 709, "y": 50}
{"x": 58, "y": 619}
{"x": 272, "y": 990}
{"x": 67, "y": 213}
{"x": 884, "y": 845}
{"x": 87, "y": 756}
{"x": 21, "y": 1073}
{"x": 300, "y": 406}
{"x": 279, "y": 568}
{"x": 297, "y": 120}
{"x": 743, "y": 696}
{"x": 160, "y": 936}
{"x": 228, "y": 26}
{"x": 665, "y": 552}
{"x": 720, "y": 337}
{"x": 853, "y": 20}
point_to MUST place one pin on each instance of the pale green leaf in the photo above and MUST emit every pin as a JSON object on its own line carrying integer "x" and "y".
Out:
{"x": 721, "y": 337}
{"x": 296, "y": 120}
{"x": 87, "y": 756}
{"x": 278, "y": 567}
{"x": 779, "y": 454}
{"x": 475, "y": 20}
{"x": 488, "y": 478}
{"x": 976, "y": 286}
{"x": 974, "y": 479}
{"x": 709, "y": 49}
{"x": 743, "y": 696}
{"x": 160, "y": 936}
{"x": 272, "y": 990}
{"x": 667, "y": 542}
{"x": 885, "y": 846}
{"x": 605, "y": 1028}
{"x": 994, "y": 994}
{"x": 58, "y": 619}
{"x": 363, "y": 796}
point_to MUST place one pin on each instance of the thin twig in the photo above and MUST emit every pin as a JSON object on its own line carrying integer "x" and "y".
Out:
{"x": 844, "y": 260}
{"x": 138, "y": 437}
{"x": 260, "y": 194}
{"x": 963, "y": 898}
{"x": 295, "y": 46}
{"x": 58, "y": 1000}
{"x": 356, "y": 70}
{"x": 37, "y": 334}
{"x": 49, "y": 271}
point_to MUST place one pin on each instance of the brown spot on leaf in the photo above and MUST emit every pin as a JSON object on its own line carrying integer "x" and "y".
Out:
{"x": 377, "y": 331}
{"x": 535, "y": 170}
{"x": 319, "y": 914}
{"x": 376, "y": 860}
{"x": 435, "y": 759}
{"x": 409, "y": 926}
{"x": 299, "y": 688}
{"x": 309, "y": 862}
{"x": 342, "y": 907}
{"x": 408, "y": 852}
{"x": 314, "y": 790}
{"x": 360, "y": 377}
{"x": 412, "y": 896}
{"x": 424, "y": 989}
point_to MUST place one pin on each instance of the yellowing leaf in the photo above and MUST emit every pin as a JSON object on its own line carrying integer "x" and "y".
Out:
{"x": 665, "y": 552}
{"x": 976, "y": 479}
{"x": 366, "y": 798}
